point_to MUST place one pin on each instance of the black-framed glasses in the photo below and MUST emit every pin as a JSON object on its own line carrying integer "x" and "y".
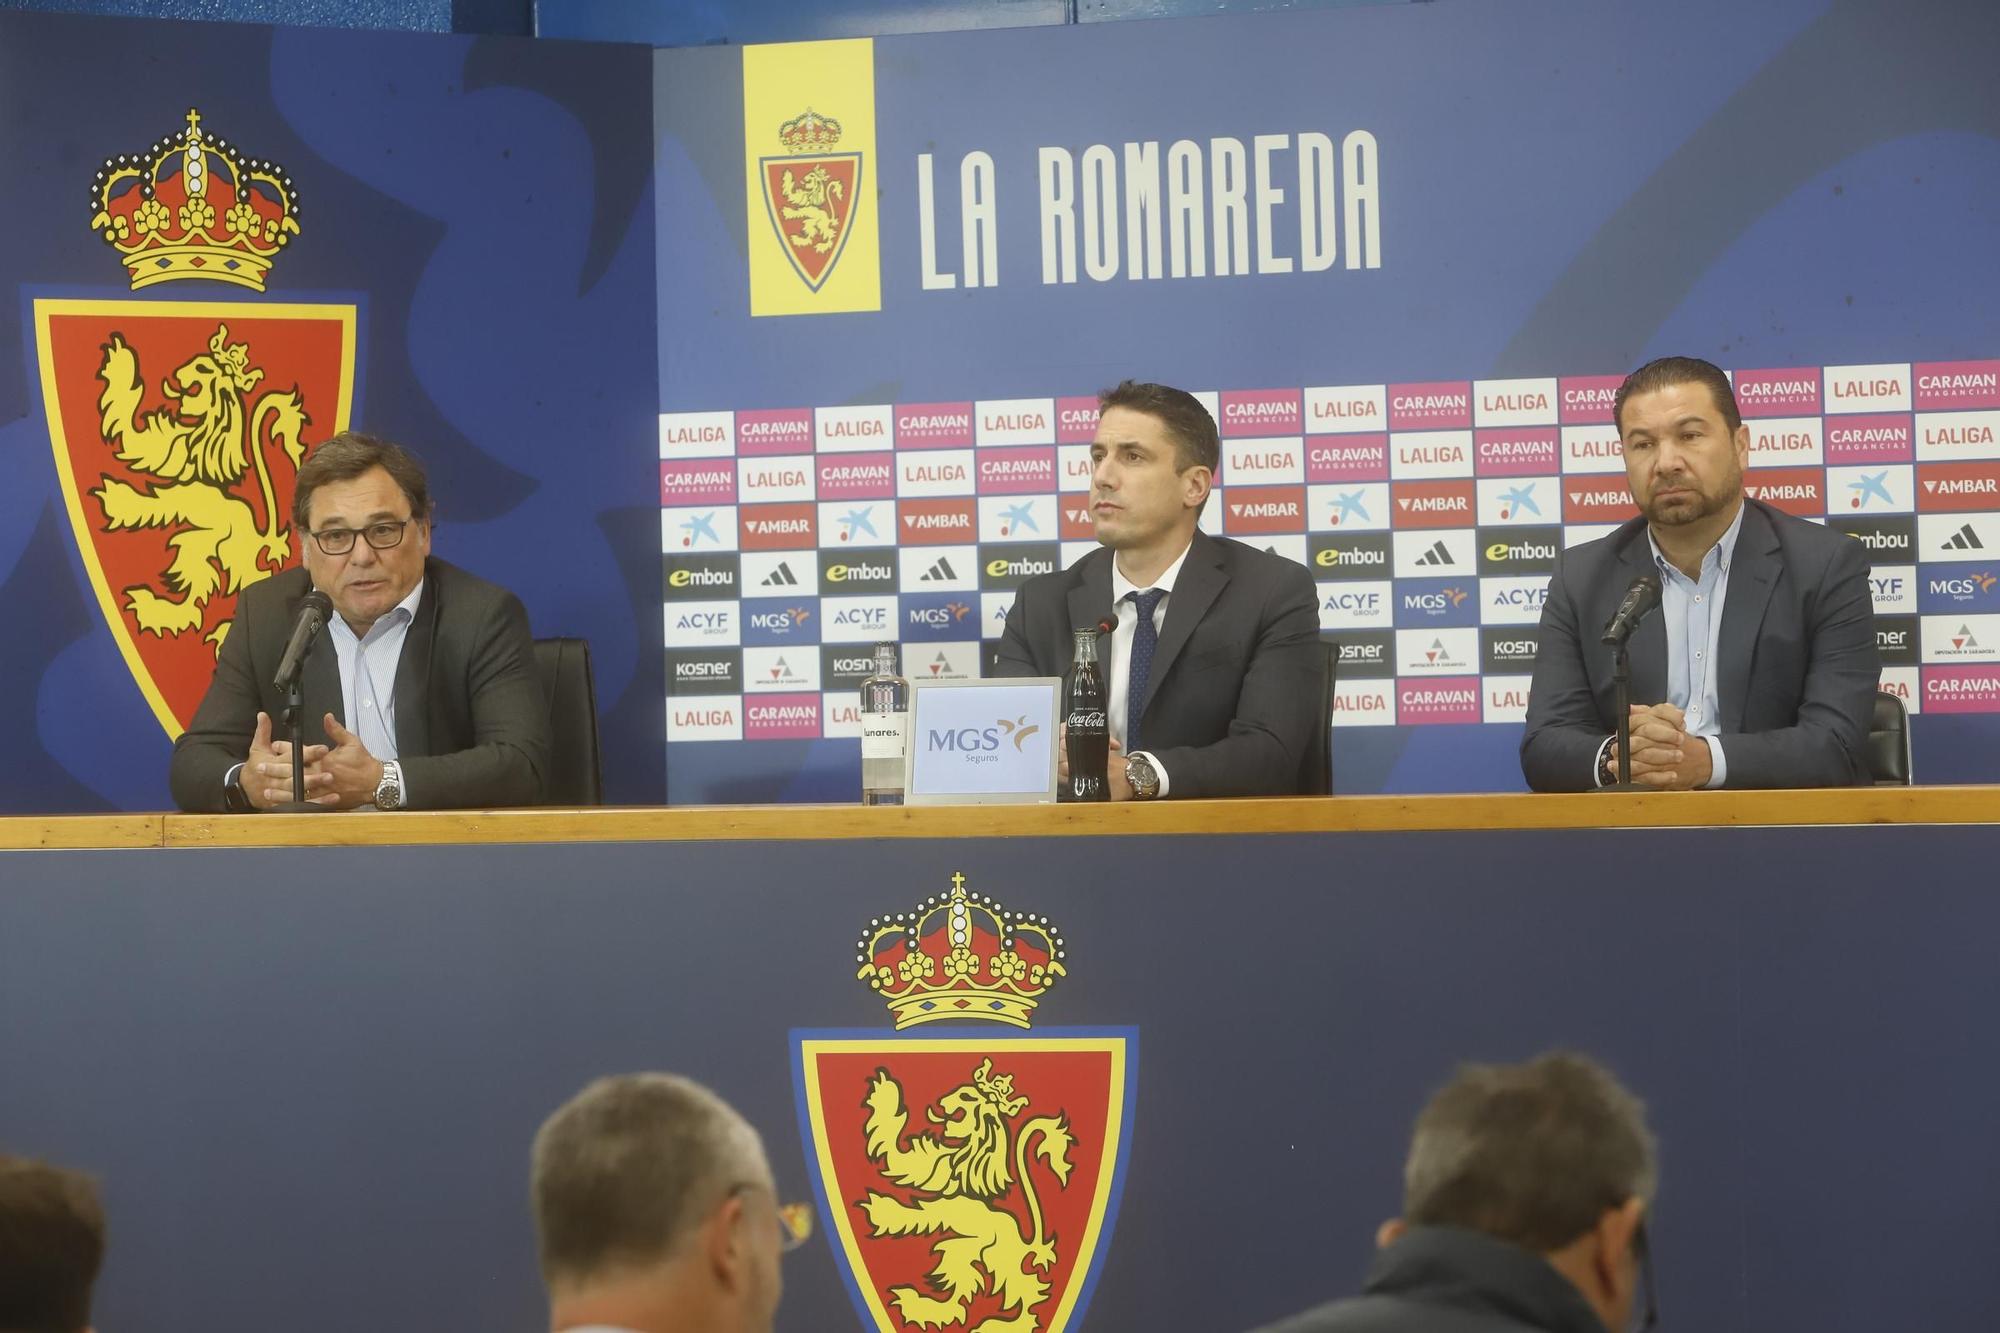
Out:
{"x": 1642, "y": 1250}
{"x": 382, "y": 536}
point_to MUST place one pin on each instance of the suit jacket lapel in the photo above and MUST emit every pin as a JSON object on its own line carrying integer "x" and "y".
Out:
{"x": 1089, "y": 600}
{"x": 413, "y": 669}
{"x": 1648, "y": 642}
{"x": 1753, "y": 576}
{"x": 1200, "y": 582}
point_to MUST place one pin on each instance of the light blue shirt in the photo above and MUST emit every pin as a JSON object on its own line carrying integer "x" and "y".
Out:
{"x": 368, "y": 674}
{"x": 1692, "y": 609}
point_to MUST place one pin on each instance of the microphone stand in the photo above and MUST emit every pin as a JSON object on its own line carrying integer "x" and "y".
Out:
{"x": 295, "y": 725}
{"x": 1621, "y": 678}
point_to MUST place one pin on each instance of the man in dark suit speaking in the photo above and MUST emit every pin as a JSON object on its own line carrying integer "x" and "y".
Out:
{"x": 1214, "y": 665}
{"x": 1762, "y": 656}
{"x": 419, "y": 692}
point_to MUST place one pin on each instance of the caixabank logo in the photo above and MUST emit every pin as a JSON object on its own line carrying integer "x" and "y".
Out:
{"x": 969, "y": 1171}
{"x": 178, "y": 426}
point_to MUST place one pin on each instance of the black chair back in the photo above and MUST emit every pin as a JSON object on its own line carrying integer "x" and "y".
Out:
{"x": 575, "y": 774}
{"x": 1889, "y": 742}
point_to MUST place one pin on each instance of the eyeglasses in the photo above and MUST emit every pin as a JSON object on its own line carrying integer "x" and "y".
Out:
{"x": 1642, "y": 1250}
{"x": 381, "y": 536}
{"x": 795, "y": 1220}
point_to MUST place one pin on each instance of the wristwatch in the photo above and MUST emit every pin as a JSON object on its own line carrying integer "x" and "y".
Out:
{"x": 1143, "y": 778}
{"x": 389, "y": 791}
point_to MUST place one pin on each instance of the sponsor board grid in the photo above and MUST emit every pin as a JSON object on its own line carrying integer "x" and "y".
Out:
{"x": 1429, "y": 513}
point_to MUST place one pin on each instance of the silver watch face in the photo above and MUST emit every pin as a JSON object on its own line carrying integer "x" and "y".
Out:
{"x": 389, "y": 794}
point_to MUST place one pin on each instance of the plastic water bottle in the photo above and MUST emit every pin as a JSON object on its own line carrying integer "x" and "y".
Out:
{"x": 885, "y": 730}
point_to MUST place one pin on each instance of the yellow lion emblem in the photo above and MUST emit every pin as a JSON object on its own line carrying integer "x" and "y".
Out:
{"x": 812, "y": 203}
{"x": 956, "y": 1174}
{"x": 196, "y": 449}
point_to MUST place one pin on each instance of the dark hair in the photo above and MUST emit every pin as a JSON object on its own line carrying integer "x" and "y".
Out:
{"x": 1195, "y": 441}
{"x": 348, "y": 455}
{"x": 51, "y": 1246}
{"x": 1532, "y": 1154}
{"x": 1667, "y": 371}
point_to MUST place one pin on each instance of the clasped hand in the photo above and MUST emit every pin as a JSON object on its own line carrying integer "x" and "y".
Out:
{"x": 1664, "y": 755}
{"x": 341, "y": 776}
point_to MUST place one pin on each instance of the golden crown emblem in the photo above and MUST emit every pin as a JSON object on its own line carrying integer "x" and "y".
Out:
{"x": 960, "y": 956}
{"x": 191, "y": 206}
{"x": 809, "y": 133}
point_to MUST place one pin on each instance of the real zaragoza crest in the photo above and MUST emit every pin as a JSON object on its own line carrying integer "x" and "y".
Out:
{"x": 969, "y": 1173}
{"x": 811, "y": 194}
{"x": 178, "y": 425}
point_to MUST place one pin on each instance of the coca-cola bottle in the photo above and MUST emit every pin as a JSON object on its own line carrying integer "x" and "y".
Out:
{"x": 1087, "y": 724}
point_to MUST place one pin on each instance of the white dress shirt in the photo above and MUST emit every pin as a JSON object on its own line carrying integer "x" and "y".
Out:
{"x": 1117, "y": 665}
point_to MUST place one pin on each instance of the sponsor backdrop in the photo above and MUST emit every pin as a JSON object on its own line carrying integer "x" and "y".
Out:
{"x": 1233, "y": 1120}
{"x": 265, "y": 235}
{"x": 890, "y": 283}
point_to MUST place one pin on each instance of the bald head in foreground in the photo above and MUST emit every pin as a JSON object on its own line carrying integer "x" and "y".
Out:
{"x": 656, "y": 1212}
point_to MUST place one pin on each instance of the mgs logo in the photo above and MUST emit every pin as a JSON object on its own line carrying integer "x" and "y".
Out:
{"x": 180, "y": 497}
{"x": 971, "y": 1177}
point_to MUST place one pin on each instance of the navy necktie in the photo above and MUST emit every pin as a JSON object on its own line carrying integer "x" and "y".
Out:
{"x": 1144, "y": 640}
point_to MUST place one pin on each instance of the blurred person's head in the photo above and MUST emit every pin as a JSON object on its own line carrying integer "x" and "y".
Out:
{"x": 51, "y": 1246}
{"x": 1553, "y": 1156}
{"x": 655, "y": 1211}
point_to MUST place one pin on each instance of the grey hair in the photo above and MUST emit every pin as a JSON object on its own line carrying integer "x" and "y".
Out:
{"x": 625, "y": 1172}
{"x": 1531, "y": 1153}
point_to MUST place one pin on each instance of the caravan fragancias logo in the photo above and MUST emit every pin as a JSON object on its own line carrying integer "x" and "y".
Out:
{"x": 178, "y": 425}
{"x": 811, "y": 193}
{"x": 969, "y": 1172}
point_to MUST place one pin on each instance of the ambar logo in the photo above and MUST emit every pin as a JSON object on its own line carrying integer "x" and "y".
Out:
{"x": 1433, "y": 504}
{"x": 937, "y": 522}
{"x": 780, "y": 527}
{"x": 1265, "y": 509}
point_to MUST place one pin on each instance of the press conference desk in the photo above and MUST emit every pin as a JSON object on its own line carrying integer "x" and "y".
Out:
{"x": 1347, "y": 814}
{"x": 301, "y": 1048}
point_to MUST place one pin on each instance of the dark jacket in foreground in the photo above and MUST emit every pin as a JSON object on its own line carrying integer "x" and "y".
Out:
{"x": 1230, "y": 706}
{"x": 1796, "y": 659}
{"x": 471, "y": 725}
{"x": 1446, "y": 1280}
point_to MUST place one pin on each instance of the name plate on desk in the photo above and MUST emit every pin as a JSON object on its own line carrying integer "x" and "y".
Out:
{"x": 983, "y": 742}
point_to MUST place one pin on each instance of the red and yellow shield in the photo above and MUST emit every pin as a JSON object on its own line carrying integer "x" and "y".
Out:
{"x": 811, "y": 201}
{"x": 970, "y": 1177}
{"x": 178, "y": 428}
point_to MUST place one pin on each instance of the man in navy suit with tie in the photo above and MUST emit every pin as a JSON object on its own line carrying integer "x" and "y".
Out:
{"x": 1214, "y": 666}
{"x": 1762, "y": 658}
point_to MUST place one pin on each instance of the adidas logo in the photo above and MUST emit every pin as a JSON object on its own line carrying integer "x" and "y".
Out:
{"x": 1965, "y": 539}
{"x": 941, "y": 572}
{"x": 1437, "y": 555}
{"x": 781, "y": 577}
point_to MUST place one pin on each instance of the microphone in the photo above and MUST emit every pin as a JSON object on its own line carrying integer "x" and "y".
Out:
{"x": 311, "y": 618}
{"x": 1640, "y": 599}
